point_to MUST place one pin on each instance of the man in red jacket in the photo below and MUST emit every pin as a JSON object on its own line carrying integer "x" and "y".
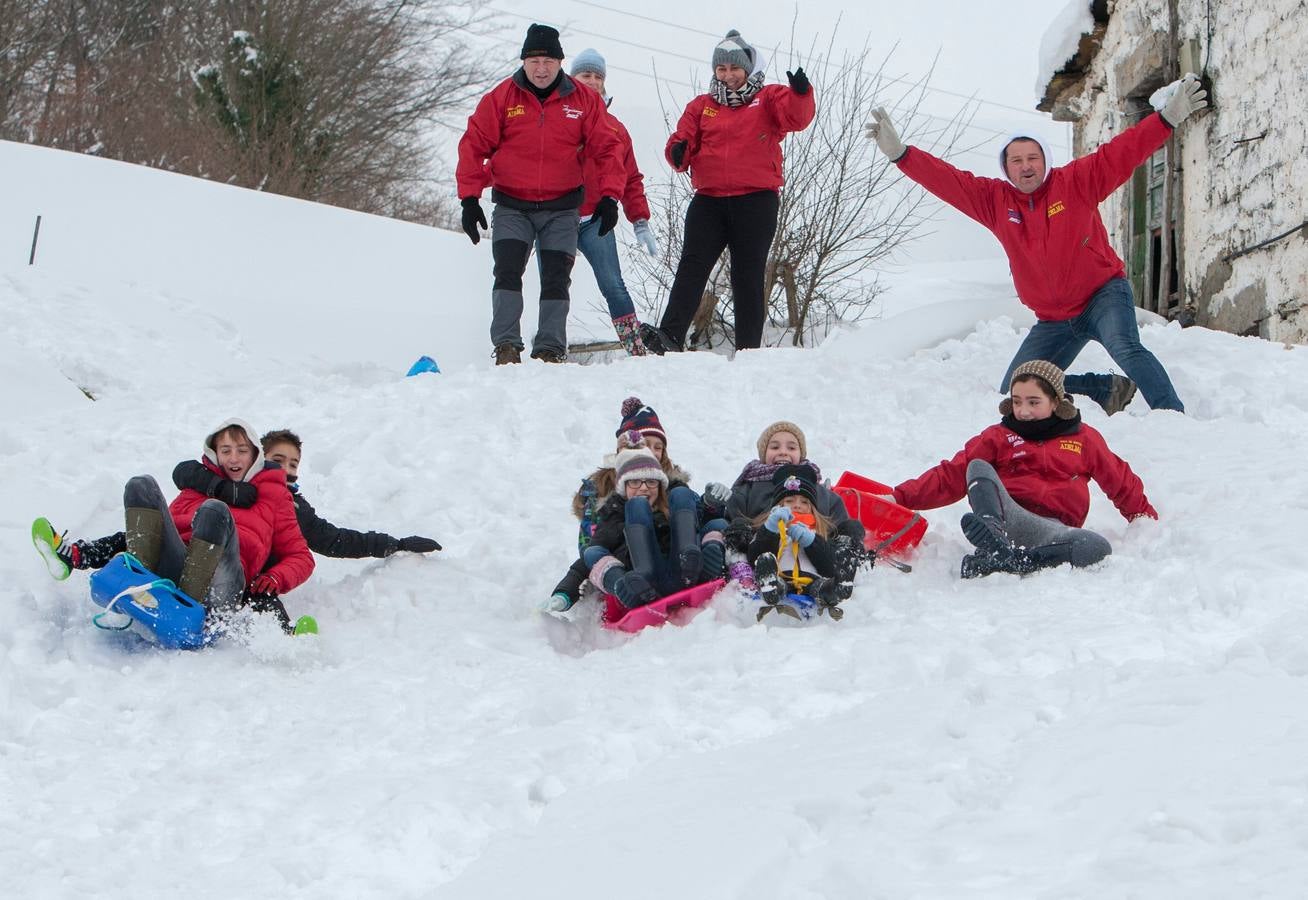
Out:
{"x": 528, "y": 140}
{"x": 1063, "y": 267}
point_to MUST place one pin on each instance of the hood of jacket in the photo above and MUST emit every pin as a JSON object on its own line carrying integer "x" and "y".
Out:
{"x": 211, "y": 454}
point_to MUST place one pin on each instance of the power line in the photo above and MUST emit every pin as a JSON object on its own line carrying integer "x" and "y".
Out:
{"x": 990, "y": 132}
{"x": 893, "y": 79}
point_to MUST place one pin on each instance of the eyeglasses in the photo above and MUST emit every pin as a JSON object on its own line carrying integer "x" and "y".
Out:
{"x": 643, "y": 482}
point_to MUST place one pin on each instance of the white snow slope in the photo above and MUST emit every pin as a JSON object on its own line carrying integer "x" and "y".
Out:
{"x": 1134, "y": 730}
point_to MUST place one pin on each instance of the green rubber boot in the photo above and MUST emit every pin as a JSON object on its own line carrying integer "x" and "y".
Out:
{"x": 145, "y": 535}
{"x": 47, "y": 543}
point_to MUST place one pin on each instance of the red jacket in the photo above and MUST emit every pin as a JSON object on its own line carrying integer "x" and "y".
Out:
{"x": 1057, "y": 247}
{"x": 267, "y": 530}
{"x": 534, "y": 151}
{"x": 737, "y": 150}
{"x": 1048, "y": 478}
{"x": 633, "y": 199}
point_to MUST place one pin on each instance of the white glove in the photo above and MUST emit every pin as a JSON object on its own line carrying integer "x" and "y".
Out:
{"x": 1179, "y": 99}
{"x": 645, "y": 237}
{"x": 717, "y": 492}
{"x": 555, "y": 603}
{"x": 882, "y": 130}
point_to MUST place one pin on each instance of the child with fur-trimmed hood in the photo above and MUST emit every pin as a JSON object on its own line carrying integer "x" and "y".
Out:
{"x": 639, "y": 426}
{"x": 650, "y": 541}
{"x": 220, "y": 555}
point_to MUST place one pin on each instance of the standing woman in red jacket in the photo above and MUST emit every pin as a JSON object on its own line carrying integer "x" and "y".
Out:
{"x": 1026, "y": 480}
{"x": 730, "y": 140}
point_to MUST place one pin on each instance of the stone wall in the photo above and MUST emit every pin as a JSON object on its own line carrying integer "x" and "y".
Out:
{"x": 1244, "y": 164}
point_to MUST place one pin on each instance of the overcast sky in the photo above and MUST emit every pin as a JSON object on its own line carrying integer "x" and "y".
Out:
{"x": 989, "y": 50}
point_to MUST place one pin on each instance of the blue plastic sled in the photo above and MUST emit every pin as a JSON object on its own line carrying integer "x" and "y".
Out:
{"x": 424, "y": 364}
{"x": 154, "y": 604}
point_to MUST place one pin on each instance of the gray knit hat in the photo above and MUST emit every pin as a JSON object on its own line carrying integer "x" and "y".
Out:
{"x": 1051, "y": 375}
{"x": 734, "y": 51}
{"x": 775, "y": 427}
{"x": 589, "y": 60}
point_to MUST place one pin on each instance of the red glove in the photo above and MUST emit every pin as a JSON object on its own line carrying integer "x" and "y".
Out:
{"x": 264, "y": 585}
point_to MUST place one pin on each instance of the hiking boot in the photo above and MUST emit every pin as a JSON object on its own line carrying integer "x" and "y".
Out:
{"x": 549, "y": 356}
{"x": 978, "y": 565}
{"x": 657, "y": 340}
{"x": 1120, "y": 395}
{"x": 507, "y": 354}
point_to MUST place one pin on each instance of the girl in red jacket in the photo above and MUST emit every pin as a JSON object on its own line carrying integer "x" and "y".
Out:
{"x": 730, "y": 140}
{"x": 1026, "y": 480}
{"x": 218, "y": 554}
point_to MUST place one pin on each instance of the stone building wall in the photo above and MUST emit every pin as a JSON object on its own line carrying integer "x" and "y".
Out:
{"x": 1244, "y": 164}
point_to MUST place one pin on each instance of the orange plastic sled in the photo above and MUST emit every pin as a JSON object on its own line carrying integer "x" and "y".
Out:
{"x": 892, "y": 530}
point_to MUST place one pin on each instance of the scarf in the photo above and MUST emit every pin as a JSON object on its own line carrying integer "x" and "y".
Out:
{"x": 757, "y": 470}
{"x": 1043, "y": 429}
{"x": 725, "y": 96}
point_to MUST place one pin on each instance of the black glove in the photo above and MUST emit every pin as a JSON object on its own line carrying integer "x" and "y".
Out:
{"x": 416, "y": 544}
{"x": 234, "y": 493}
{"x": 607, "y": 213}
{"x": 738, "y": 534}
{"x": 677, "y": 153}
{"x": 798, "y": 81}
{"x": 472, "y": 217}
{"x": 193, "y": 474}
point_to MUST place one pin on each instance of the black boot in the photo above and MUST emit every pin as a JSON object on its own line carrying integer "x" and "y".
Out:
{"x": 643, "y": 549}
{"x": 631, "y": 588}
{"x": 849, "y": 556}
{"x": 685, "y": 545}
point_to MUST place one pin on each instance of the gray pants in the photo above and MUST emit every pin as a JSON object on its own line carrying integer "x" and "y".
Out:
{"x": 1048, "y": 541}
{"x": 513, "y": 233}
{"x": 212, "y": 523}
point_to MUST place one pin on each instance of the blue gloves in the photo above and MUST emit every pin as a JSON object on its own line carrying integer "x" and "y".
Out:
{"x": 778, "y": 514}
{"x": 800, "y": 533}
{"x": 645, "y": 237}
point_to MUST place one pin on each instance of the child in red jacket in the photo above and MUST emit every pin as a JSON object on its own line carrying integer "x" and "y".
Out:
{"x": 219, "y": 554}
{"x": 1026, "y": 480}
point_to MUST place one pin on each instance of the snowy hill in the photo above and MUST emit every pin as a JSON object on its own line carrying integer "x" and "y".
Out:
{"x": 1132, "y": 730}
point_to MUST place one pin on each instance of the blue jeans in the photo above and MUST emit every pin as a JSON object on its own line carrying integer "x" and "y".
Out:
{"x": 1108, "y": 318}
{"x": 602, "y": 254}
{"x": 666, "y": 574}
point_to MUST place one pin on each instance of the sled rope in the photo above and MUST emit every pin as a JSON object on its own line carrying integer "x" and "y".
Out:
{"x": 127, "y": 592}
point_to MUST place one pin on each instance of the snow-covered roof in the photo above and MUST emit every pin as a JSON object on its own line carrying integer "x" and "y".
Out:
{"x": 1068, "y": 46}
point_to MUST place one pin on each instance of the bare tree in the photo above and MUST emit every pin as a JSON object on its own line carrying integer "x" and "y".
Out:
{"x": 328, "y": 100}
{"x": 843, "y": 210}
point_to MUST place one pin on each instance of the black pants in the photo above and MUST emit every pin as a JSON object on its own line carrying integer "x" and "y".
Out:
{"x": 744, "y": 225}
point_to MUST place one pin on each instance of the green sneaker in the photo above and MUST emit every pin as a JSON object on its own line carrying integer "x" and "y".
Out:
{"x": 47, "y": 543}
{"x": 305, "y": 625}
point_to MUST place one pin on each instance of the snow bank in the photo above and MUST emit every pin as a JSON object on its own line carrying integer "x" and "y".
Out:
{"x": 1060, "y": 40}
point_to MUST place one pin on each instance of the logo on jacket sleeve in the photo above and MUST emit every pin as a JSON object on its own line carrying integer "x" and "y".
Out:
{"x": 1055, "y": 208}
{"x": 1015, "y": 217}
{"x": 514, "y": 111}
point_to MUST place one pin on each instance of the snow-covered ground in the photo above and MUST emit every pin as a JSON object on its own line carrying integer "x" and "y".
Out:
{"x": 1136, "y": 730}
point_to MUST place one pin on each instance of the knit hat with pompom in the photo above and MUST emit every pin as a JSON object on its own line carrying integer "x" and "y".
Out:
{"x": 636, "y": 416}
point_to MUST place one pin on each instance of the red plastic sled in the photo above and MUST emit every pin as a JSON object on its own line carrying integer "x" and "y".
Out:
{"x": 891, "y": 529}
{"x": 678, "y": 608}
